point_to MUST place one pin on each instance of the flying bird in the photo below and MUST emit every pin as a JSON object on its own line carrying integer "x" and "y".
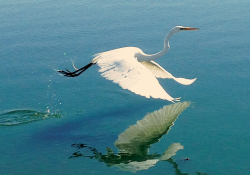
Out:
{"x": 134, "y": 70}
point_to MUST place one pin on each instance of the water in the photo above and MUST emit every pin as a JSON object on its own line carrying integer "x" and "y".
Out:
{"x": 40, "y": 36}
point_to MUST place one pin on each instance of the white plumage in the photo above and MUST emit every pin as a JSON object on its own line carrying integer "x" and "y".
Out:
{"x": 121, "y": 67}
{"x": 134, "y": 70}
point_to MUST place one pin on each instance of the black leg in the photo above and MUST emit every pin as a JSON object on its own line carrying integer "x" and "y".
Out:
{"x": 76, "y": 73}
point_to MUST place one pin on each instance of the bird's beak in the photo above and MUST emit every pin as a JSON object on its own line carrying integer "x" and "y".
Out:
{"x": 190, "y": 28}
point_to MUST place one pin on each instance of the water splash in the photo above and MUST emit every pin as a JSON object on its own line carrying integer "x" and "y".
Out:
{"x": 17, "y": 117}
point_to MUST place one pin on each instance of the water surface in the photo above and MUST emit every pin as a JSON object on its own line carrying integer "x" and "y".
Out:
{"x": 40, "y": 36}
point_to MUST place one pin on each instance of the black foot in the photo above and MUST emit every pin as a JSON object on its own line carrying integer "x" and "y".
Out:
{"x": 76, "y": 73}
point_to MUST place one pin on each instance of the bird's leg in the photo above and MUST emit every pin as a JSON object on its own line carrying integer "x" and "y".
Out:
{"x": 68, "y": 73}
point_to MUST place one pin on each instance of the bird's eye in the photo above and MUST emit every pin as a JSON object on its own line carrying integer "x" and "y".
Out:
{"x": 183, "y": 28}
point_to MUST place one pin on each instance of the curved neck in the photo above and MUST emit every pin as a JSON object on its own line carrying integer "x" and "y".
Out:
{"x": 148, "y": 57}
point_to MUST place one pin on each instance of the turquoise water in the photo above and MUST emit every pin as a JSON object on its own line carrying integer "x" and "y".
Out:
{"x": 88, "y": 113}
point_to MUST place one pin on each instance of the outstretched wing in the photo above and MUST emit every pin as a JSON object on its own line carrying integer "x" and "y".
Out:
{"x": 121, "y": 67}
{"x": 160, "y": 72}
{"x": 139, "y": 137}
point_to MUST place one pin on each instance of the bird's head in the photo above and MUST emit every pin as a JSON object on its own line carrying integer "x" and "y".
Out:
{"x": 174, "y": 30}
{"x": 182, "y": 28}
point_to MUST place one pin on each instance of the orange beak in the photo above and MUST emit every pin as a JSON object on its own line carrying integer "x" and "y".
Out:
{"x": 190, "y": 28}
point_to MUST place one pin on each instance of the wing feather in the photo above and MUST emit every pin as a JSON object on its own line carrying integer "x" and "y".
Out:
{"x": 160, "y": 72}
{"x": 121, "y": 67}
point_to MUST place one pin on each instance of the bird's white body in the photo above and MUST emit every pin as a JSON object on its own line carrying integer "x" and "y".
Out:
{"x": 122, "y": 67}
{"x": 136, "y": 71}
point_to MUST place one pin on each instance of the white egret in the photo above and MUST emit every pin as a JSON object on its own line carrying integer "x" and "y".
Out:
{"x": 134, "y": 70}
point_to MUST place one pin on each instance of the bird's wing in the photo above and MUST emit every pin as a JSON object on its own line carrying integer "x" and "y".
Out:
{"x": 139, "y": 137}
{"x": 160, "y": 72}
{"x": 171, "y": 151}
{"x": 121, "y": 67}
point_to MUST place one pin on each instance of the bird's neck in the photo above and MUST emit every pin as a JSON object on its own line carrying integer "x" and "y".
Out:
{"x": 148, "y": 57}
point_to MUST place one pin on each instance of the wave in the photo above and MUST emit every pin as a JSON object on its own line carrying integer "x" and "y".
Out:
{"x": 17, "y": 117}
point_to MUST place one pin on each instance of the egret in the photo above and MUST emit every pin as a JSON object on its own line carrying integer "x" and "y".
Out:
{"x": 134, "y": 70}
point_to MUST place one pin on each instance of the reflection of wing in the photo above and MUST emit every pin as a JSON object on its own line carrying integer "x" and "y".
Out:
{"x": 121, "y": 67}
{"x": 138, "y": 138}
{"x": 137, "y": 166}
{"x": 143, "y": 165}
{"x": 160, "y": 72}
{"x": 171, "y": 151}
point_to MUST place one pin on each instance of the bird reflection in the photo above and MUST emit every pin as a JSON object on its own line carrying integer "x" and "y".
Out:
{"x": 134, "y": 142}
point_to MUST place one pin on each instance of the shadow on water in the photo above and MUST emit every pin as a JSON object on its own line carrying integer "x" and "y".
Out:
{"x": 134, "y": 142}
{"x": 17, "y": 117}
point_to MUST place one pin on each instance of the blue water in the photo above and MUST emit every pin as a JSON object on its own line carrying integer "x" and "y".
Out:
{"x": 40, "y": 36}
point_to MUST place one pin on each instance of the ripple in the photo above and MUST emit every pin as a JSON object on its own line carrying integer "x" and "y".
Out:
{"x": 17, "y": 117}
